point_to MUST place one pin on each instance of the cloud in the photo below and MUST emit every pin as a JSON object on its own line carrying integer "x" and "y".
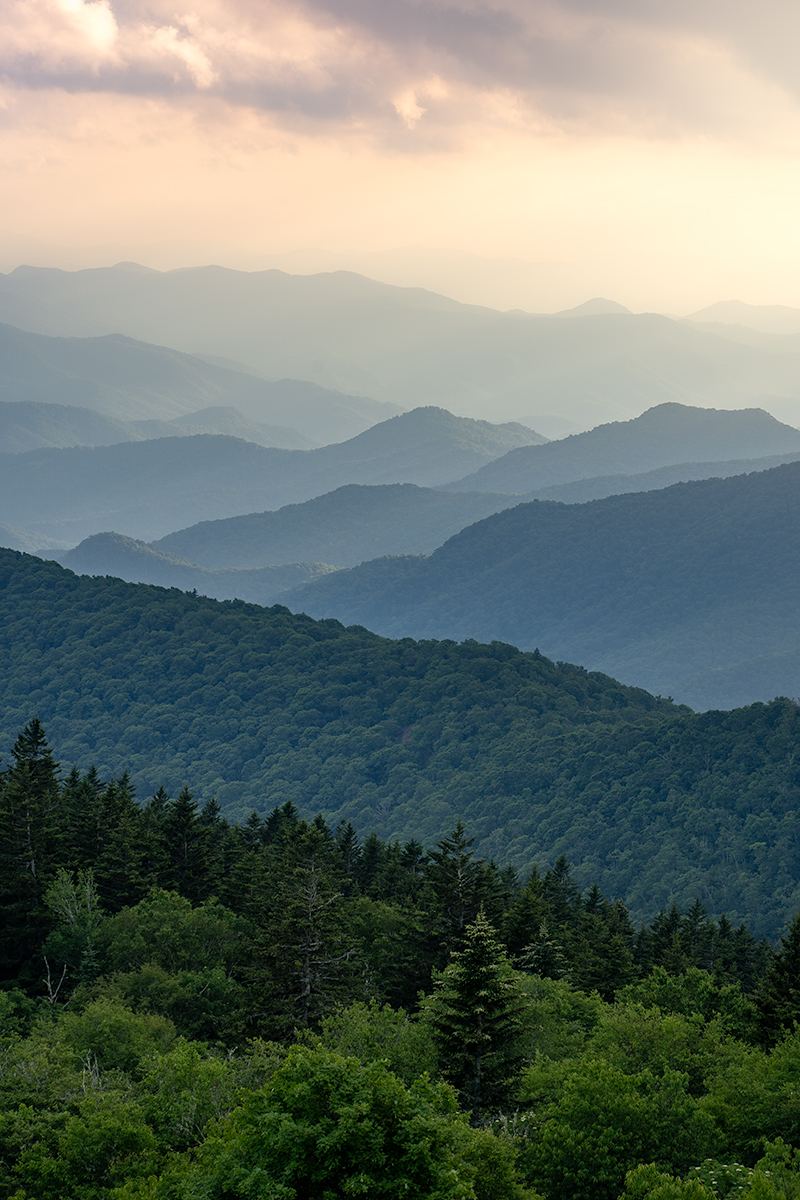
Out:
{"x": 420, "y": 68}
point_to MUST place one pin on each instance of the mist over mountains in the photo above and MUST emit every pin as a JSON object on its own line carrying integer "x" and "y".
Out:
{"x": 125, "y": 558}
{"x": 28, "y": 425}
{"x": 134, "y": 381}
{"x": 406, "y": 345}
{"x": 147, "y": 489}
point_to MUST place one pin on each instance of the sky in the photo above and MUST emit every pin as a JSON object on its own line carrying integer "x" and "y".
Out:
{"x": 532, "y": 154}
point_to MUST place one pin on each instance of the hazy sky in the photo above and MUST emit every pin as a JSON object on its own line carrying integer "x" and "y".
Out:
{"x": 645, "y": 149}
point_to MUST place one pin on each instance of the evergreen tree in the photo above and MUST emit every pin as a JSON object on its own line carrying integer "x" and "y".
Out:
{"x": 778, "y": 999}
{"x": 476, "y": 1011}
{"x": 30, "y": 851}
{"x": 187, "y": 842}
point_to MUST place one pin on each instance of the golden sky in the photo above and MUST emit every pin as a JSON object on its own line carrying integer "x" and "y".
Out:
{"x": 639, "y": 149}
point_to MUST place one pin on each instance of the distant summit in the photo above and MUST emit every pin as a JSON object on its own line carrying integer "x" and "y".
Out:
{"x": 667, "y": 433}
{"x": 595, "y": 308}
{"x": 766, "y": 318}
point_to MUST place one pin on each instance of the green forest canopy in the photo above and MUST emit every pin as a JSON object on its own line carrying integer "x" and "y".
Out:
{"x": 259, "y": 707}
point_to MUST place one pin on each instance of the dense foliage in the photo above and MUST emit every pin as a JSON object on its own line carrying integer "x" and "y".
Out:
{"x": 258, "y": 707}
{"x": 192, "y": 1010}
{"x": 661, "y": 588}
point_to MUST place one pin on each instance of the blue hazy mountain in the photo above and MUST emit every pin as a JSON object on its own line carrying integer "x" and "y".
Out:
{"x": 148, "y": 489}
{"x": 30, "y": 425}
{"x": 666, "y": 589}
{"x": 406, "y": 345}
{"x": 136, "y": 562}
{"x": 131, "y": 380}
{"x": 663, "y": 435}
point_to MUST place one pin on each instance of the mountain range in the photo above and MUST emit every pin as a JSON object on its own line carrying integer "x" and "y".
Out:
{"x": 406, "y": 345}
{"x": 678, "y": 590}
{"x": 146, "y": 489}
{"x": 135, "y": 381}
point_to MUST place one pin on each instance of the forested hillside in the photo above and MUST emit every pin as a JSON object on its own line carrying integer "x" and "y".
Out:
{"x": 662, "y": 589}
{"x": 148, "y": 489}
{"x": 259, "y": 707}
{"x": 666, "y": 434}
{"x": 191, "y": 1010}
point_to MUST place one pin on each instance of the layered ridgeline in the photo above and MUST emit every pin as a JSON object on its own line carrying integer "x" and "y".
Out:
{"x": 148, "y": 489}
{"x": 663, "y": 435}
{"x": 133, "y": 381}
{"x": 125, "y": 558}
{"x": 343, "y": 527}
{"x": 356, "y": 523}
{"x": 347, "y": 332}
{"x": 690, "y": 591}
{"x": 258, "y": 707}
{"x": 28, "y": 425}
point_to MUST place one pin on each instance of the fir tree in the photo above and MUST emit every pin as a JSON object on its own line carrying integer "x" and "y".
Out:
{"x": 476, "y": 1012}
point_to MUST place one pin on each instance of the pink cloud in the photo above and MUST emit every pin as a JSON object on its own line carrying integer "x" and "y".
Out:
{"x": 422, "y": 65}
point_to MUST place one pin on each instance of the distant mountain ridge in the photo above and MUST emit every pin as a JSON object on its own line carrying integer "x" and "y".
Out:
{"x": 132, "y": 380}
{"x": 146, "y": 489}
{"x": 28, "y": 425}
{"x": 665, "y": 589}
{"x": 661, "y": 436}
{"x": 353, "y": 523}
{"x": 134, "y": 561}
{"x": 405, "y": 345}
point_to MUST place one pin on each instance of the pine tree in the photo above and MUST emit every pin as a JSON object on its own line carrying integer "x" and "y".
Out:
{"x": 30, "y": 851}
{"x": 476, "y": 1012}
{"x": 778, "y": 999}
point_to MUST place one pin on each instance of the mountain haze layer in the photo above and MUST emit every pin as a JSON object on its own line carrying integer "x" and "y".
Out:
{"x": 661, "y": 589}
{"x": 405, "y": 345}
{"x": 28, "y": 425}
{"x": 147, "y": 489}
{"x": 136, "y": 562}
{"x": 131, "y": 380}
{"x": 344, "y": 527}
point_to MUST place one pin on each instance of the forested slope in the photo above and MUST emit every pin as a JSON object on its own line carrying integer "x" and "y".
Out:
{"x": 259, "y": 707}
{"x": 662, "y": 589}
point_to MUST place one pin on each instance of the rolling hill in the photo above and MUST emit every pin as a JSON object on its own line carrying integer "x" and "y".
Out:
{"x": 259, "y": 707}
{"x": 661, "y": 589}
{"x": 661, "y": 436}
{"x": 125, "y": 558}
{"x": 405, "y": 345}
{"x": 147, "y": 489}
{"x": 131, "y": 381}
